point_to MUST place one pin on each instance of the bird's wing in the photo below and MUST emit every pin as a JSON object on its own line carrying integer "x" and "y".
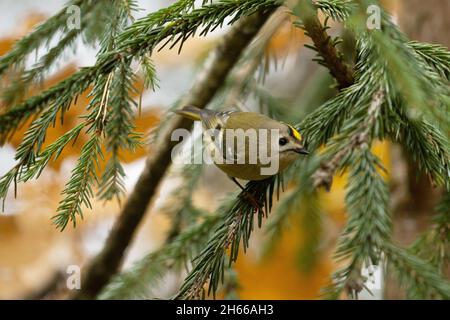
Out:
{"x": 217, "y": 122}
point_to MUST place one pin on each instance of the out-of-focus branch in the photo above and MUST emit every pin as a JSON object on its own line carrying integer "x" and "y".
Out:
{"x": 50, "y": 287}
{"x": 413, "y": 196}
{"x": 107, "y": 262}
{"x": 243, "y": 73}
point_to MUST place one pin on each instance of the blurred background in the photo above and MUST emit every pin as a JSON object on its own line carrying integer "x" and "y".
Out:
{"x": 34, "y": 256}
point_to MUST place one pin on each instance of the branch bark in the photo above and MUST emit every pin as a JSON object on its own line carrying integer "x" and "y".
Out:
{"x": 108, "y": 261}
{"x": 332, "y": 58}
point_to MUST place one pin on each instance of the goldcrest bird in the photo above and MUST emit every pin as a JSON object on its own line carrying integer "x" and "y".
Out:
{"x": 290, "y": 142}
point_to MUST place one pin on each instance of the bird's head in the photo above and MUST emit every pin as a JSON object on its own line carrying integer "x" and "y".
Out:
{"x": 291, "y": 141}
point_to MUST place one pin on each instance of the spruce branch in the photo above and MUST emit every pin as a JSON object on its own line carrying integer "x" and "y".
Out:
{"x": 31, "y": 162}
{"x": 119, "y": 110}
{"x": 29, "y": 149}
{"x": 411, "y": 77}
{"x": 369, "y": 224}
{"x": 325, "y": 122}
{"x": 182, "y": 212}
{"x": 179, "y": 30}
{"x": 43, "y": 33}
{"x": 302, "y": 201}
{"x": 324, "y": 176}
{"x": 106, "y": 264}
{"x": 421, "y": 279}
{"x": 339, "y": 10}
{"x": 237, "y": 226}
{"x": 119, "y": 131}
{"x": 368, "y": 227}
{"x": 57, "y": 99}
{"x": 179, "y": 247}
{"x": 325, "y": 46}
{"x": 434, "y": 245}
{"x": 140, "y": 36}
{"x": 437, "y": 56}
{"x": 416, "y": 134}
{"x": 150, "y": 80}
{"x": 19, "y": 87}
{"x": 51, "y": 151}
{"x": 54, "y": 100}
{"x": 374, "y": 69}
{"x": 34, "y": 75}
{"x": 80, "y": 186}
{"x": 174, "y": 256}
{"x": 426, "y": 144}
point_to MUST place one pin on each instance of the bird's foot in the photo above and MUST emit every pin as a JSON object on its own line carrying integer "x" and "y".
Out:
{"x": 250, "y": 198}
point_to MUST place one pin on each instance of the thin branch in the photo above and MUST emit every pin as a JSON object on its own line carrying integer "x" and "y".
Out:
{"x": 50, "y": 287}
{"x": 140, "y": 38}
{"x": 323, "y": 177}
{"x": 323, "y": 43}
{"x": 107, "y": 263}
{"x": 235, "y": 228}
{"x": 42, "y": 33}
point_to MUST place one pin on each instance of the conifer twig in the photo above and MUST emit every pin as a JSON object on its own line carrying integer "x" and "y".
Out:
{"x": 323, "y": 44}
{"x": 106, "y": 264}
{"x": 43, "y": 32}
{"x": 235, "y": 228}
{"x": 323, "y": 177}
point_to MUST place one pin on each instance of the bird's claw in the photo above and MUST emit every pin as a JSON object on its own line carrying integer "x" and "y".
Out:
{"x": 250, "y": 198}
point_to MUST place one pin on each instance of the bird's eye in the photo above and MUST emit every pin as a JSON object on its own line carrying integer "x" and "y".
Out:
{"x": 282, "y": 141}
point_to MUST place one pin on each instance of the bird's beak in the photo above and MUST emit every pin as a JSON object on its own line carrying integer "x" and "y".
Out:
{"x": 301, "y": 150}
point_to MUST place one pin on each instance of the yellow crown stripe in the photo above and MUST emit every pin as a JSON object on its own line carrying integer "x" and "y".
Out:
{"x": 296, "y": 134}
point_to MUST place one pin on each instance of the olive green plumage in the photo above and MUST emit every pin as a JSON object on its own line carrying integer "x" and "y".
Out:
{"x": 250, "y": 124}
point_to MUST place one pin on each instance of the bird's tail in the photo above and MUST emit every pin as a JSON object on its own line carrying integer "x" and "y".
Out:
{"x": 190, "y": 112}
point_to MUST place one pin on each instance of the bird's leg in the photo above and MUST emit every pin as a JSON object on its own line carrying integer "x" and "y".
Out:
{"x": 237, "y": 182}
{"x": 251, "y": 198}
